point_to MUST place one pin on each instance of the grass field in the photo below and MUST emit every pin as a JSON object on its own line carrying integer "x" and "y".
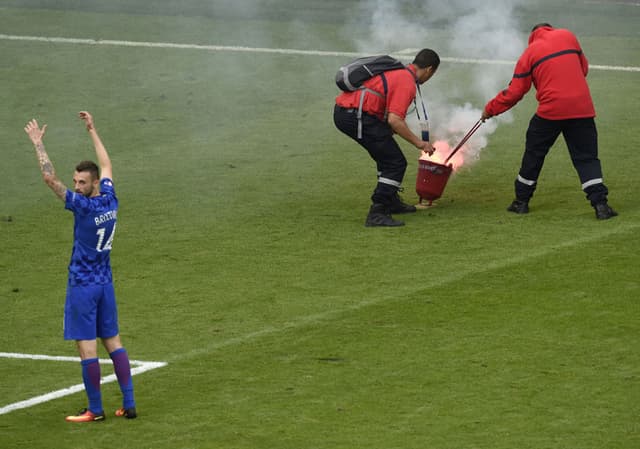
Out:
{"x": 242, "y": 261}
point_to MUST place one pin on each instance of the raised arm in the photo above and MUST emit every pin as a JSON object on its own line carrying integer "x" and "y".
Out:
{"x": 101, "y": 153}
{"x": 36, "y": 134}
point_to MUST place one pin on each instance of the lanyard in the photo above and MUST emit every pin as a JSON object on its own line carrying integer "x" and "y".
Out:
{"x": 424, "y": 109}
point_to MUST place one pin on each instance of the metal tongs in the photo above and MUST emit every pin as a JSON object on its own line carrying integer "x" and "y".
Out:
{"x": 464, "y": 140}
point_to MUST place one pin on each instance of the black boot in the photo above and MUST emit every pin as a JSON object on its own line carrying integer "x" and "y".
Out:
{"x": 379, "y": 216}
{"x": 400, "y": 207}
{"x": 604, "y": 211}
{"x": 519, "y": 207}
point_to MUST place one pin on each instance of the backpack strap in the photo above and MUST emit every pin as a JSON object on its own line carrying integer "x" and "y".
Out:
{"x": 364, "y": 90}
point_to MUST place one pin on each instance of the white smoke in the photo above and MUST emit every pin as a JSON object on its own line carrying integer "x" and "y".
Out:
{"x": 456, "y": 95}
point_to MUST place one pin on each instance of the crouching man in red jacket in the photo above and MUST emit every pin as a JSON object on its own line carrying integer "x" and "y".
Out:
{"x": 554, "y": 63}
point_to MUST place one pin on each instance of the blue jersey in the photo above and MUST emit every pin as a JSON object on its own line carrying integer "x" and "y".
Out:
{"x": 93, "y": 230}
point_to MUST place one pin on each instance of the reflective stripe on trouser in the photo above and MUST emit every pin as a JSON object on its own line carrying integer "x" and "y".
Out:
{"x": 591, "y": 182}
{"x": 529, "y": 182}
{"x": 388, "y": 181}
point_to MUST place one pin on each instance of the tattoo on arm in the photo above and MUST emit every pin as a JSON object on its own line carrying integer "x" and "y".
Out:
{"x": 46, "y": 167}
{"x": 49, "y": 173}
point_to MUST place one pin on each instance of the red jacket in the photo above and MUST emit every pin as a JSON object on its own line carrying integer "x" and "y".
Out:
{"x": 556, "y": 66}
{"x": 401, "y": 90}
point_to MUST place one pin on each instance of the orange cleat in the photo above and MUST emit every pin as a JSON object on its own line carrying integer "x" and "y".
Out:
{"x": 85, "y": 415}
{"x": 128, "y": 413}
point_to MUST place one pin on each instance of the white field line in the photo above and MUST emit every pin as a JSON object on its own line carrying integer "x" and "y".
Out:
{"x": 627, "y": 3}
{"x": 283, "y": 51}
{"x": 137, "y": 367}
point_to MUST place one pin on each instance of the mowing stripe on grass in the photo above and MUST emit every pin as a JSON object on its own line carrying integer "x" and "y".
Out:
{"x": 138, "y": 367}
{"x": 284, "y": 51}
{"x": 452, "y": 278}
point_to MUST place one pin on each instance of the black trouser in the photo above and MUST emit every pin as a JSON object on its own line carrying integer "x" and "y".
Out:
{"x": 581, "y": 138}
{"x": 377, "y": 139}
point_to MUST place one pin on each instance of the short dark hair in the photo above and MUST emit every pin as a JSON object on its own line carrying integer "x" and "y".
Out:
{"x": 427, "y": 58}
{"x": 540, "y": 25}
{"x": 89, "y": 166}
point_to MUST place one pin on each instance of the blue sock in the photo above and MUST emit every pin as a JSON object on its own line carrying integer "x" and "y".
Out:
{"x": 91, "y": 378}
{"x": 122, "y": 369}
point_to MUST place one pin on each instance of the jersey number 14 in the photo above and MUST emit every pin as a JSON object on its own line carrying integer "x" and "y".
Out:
{"x": 107, "y": 245}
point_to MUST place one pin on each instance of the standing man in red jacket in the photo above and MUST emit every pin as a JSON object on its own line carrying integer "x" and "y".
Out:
{"x": 556, "y": 66}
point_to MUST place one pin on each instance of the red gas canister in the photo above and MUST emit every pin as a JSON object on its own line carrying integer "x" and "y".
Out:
{"x": 432, "y": 179}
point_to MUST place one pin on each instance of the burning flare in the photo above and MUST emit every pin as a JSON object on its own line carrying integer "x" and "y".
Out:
{"x": 443, "y": 150}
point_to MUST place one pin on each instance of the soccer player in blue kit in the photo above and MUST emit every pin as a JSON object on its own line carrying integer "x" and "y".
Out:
{"x": 90, "y": 309}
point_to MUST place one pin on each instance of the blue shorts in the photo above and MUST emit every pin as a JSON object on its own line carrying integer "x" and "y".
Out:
{"x": 90, "y": 312}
